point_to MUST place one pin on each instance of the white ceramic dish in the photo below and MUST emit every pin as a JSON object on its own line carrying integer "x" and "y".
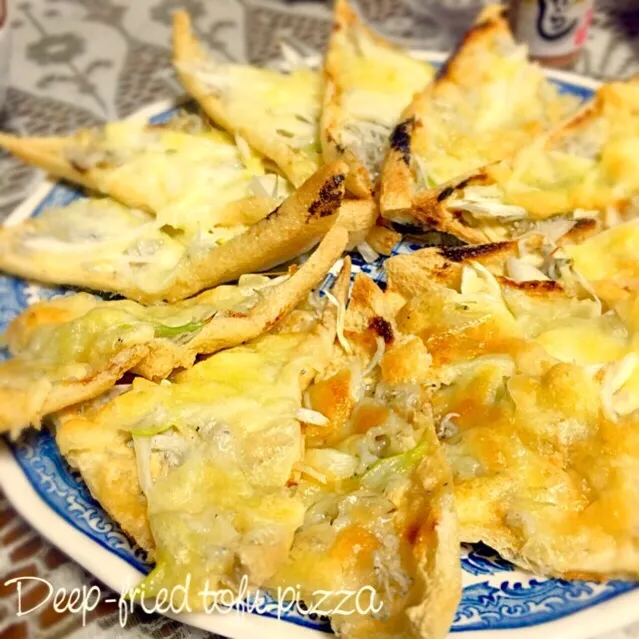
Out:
{"x": 499, "y": 602}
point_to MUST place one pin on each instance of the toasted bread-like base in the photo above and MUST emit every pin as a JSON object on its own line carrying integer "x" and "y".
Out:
{"x": 37, "y": 389}
{"x": 394, "y": 77}
{"x": 420, "y": 167}
{"x": 103, "y": 454}
{"x": 613, "y": 111}
{"x": 292, "y": 229}
{"x": 189, "y": 55}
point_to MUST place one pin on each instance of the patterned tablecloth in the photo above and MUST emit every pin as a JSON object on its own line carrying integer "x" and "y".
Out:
{"x": 79, "y": 62}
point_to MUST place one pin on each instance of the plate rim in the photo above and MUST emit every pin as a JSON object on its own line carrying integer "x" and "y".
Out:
{"x": 114, "y": 572}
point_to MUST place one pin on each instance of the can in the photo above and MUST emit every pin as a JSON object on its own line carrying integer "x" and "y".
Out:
{"x": 554, "y": 30}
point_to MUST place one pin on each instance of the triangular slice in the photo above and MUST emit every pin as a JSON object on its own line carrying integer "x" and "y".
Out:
{"x": 192, "y": 177}
{"x": 73, "y": 348}
{"x": 368, "y": 83}
{"x": 277, "y": 113}
{"x": 101, "y": 245}
{"x": 380, "y": 517}
{"x": 534, "y": 386}
{"x": 585, "y": 168}
{"x": 488, "y": 102}
{"x": 235, "y": 418}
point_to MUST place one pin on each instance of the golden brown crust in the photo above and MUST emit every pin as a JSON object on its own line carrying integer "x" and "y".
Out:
{"x": 25, "y": 402}
{"x": 358, "y": 217}
{"x": 187, "y": 53}
{"x": 428, "y": 209}
{"x": 29, "y": 393}
{"x": 293, "y": 228}
{"x": 92, "y": 443}
{"x": 107, "y": 464}
{"x": 187, "y": 50}
{"x": 383, "y": 239}
{"x": 345, "y": 21}
{"x": 397, "y": 180}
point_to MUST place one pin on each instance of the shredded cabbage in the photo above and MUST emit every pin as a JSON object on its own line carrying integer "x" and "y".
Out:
{"x": 367, "y": 252}
{"x": 142, "y": 447}
{"x": 309, "y": 416}
{"x": 616, "y": 375}
{"x": 341, "y": 311}
{"x": 521, "y": 271}
{"x": 377, "y": 358}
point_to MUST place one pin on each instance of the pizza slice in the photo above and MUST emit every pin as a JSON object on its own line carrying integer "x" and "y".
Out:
{"x": 533, "y": 389}
{"x": 101, "y": 245}
{"x": 276, "y": 112}
{"x": 226, "y": 432}
{"x": 380, "y": 519}
{"x": 486, "y": 104}
{"x": 586, "y": 168}
{"x": 368, "y": 83}
{"x": 73, "y": 348}
{"x": 191, "y": 176}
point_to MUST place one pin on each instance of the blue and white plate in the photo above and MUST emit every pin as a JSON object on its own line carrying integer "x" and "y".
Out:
{"x": 498, "y": 602}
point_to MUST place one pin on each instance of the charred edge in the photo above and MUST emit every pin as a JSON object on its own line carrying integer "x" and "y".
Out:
{"x": 273, "y": 213}
{"x": 383, "y": 328}
{"x": 463, "y": 185}
{"x": 407, "y": 229}
{"x": 401, "y": 137}
{"x": 535, "y": 286}
{"x": 330, "y": 197}
{"x": 461, "y": 253}
{"x": 446, "y": 193}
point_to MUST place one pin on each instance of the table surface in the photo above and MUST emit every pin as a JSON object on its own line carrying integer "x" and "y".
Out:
{"x": 76, "y": 63}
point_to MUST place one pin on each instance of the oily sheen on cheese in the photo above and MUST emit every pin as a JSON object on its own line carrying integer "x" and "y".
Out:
{"x": 191, "y": 176}
{"x": 276, "y": 112}
{"x": 209, "y": 455}
{"x": 531, "y": 395}
{"x": 369, "y": 82}
{"x": 584, "y": 169}
{"x": 487, "y": 104}
{"x": 379, "y": 513}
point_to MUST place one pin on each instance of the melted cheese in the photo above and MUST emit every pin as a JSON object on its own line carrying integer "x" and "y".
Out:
{"x": 589, "y": 165}
{"x": 491, "y": 103}
{"x": 220, "y": 502}
{"x": 541, "y": 388}
{"x": 374, "y": 82}
{"x": 192, "y": 182}
{"x": 608, "y": 255}
{"x": 98, "y": 238}
{"x": 70, "y": 337}
{"x": 278, "y": 112}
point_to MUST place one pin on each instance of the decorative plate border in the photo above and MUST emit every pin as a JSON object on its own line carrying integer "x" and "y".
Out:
{"x": 56, "y": 502}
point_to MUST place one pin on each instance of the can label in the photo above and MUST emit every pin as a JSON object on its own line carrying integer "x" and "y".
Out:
{"x": 553, "y": 27}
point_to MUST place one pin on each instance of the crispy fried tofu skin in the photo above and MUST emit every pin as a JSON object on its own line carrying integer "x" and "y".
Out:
{"x": 580, "y": 170}
{"x": 486, "y": 104}
{"x": 74, "y": 348}
{"x": 368, "y": 83}
{"x": 275, "y": 112}
{"x": 95, "y": 437}
{"x": 132, "y": 257}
